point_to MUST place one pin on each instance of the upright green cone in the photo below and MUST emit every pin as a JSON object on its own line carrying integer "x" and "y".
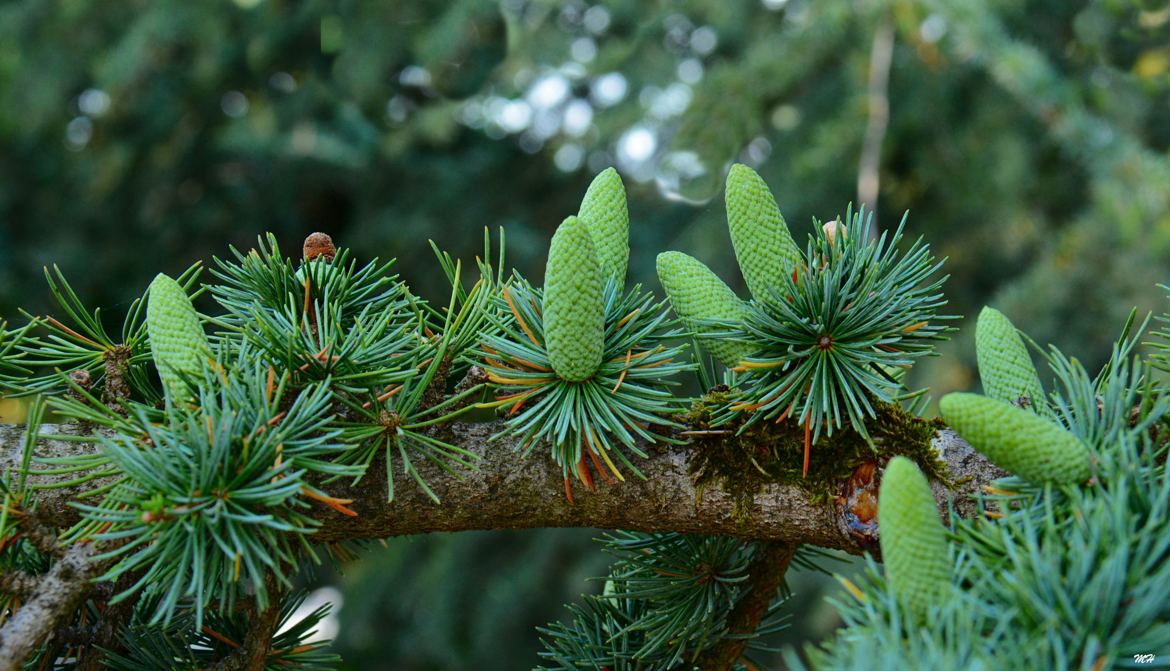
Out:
{"x": 574, "y": 303}
{"x": 177, "y": 341}
{"x": 913, "y": 540}
{"x": 763, "y": 244}
{"x": 1005, "y": 368}
{"x": 696, "y": 293}
{"x": 605, "y": 215}
{"x": 1024, "y": 443}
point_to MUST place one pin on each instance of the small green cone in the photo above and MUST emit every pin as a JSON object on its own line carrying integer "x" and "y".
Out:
{"x": 177, "y": 341}
{"x": 1030, "y": 446}
{"x": 763, "y": 244}
{"x": 604, "y": 211}
{"x": 913, "y": 540}
{"x": 574, "y": 303}
{"x": 697, "y": 293}
{"x": 1005, "y": 368}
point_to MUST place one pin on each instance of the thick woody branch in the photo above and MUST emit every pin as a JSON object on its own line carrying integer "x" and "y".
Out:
{"x": 58, "y": 593}
{"x": 508, "y": 492}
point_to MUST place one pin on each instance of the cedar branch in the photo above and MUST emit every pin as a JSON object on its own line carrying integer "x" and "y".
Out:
{"x": 508, "y": 492}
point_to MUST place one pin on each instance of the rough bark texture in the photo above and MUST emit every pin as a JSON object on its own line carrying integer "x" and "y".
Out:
{"x": 512, "y": 493}
{"x": 58, "y": 593}
{"x": 507, "y": 492}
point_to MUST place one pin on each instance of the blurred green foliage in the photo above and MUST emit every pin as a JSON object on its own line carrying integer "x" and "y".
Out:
{"x": 466, "y": 601}
{"x": 1028, "y": 139}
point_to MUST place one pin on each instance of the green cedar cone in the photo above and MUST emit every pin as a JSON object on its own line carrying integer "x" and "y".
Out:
{"x": 763, "y": 245}
{"x": 574, "y": 304}
{"x": 177, "y": 341}
{"x": 604, "y": 211}
{"x": 913, "y": 540}
{"x": 1004, "y": 365}
{"x": 1030, "y": 446}
{"x": 697, "y": 293}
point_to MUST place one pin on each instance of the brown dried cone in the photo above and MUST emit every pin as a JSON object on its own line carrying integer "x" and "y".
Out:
{"x": 319, "y": 244}
{"x": 83, "y": 379}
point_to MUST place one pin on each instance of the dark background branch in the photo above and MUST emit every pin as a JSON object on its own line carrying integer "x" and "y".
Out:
{"x": 765, "y": 576}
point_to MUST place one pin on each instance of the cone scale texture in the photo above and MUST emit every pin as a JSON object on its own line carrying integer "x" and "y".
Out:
{"x": 1005, "y": 368}
{"x": 574, "y": 305}
{"x": 913, "y": 540}
{"x": 1030, "y": 446}
{"x": 697, "y": 293}
{"x": 608, "y": 220}
{"x": 763, "y": 245}
{"x": 177, "y": 341}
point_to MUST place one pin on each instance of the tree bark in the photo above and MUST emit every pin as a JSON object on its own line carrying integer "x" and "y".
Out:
{"x": 58, "y": 593}
{"x": 508, "y": 492}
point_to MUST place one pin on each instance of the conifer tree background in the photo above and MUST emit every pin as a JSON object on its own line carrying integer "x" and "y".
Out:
{"x": 1028, "y": 140}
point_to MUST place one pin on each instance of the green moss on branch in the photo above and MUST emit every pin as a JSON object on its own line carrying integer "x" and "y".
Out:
{"x": 766, "y": 453}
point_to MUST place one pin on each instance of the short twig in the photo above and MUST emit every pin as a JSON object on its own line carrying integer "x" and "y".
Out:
{"x": 41, "y": 535}
{"x": 18, "y": 583}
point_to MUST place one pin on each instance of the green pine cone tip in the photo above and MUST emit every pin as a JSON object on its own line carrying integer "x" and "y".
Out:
{"x": 574, "y": 303}
{"x": 763, "y": 244}
{"x": 605, "y": 214}
{"x": 697, "y": 293}
{"x": 1026, "y": 444}
{"x": 177, "y": 341}
{"x": 913, "y": 539}
{"x": 1005, "y": 368}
